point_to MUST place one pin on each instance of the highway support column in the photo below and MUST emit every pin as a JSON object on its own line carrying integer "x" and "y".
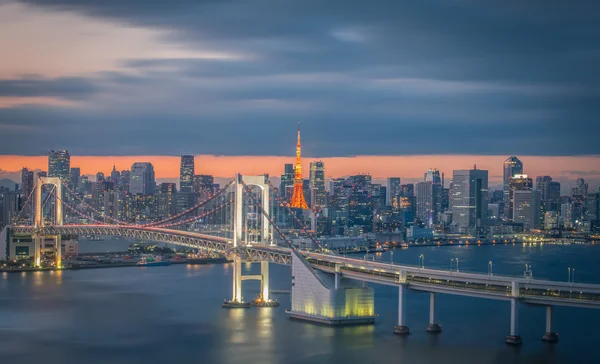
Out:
{"x": 401, "y": 328}
{"x": 433, "y": 327}
{"x": 549, "y": 336}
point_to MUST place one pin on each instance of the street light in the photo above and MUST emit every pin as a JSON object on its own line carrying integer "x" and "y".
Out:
{"x": 573, "y": 276}
{"x": 422, "y": 260}
{"x": 490, "y": 268}
{"x": 451, "y": 260}
{"x": 456, "y": 265}
{"x": 569, "y": 277}
{"x": 391, "y": 257}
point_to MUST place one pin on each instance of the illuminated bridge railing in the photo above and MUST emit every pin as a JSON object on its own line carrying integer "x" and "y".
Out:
{"x": 177, "y": 237}
{"x": 498, "y": 287}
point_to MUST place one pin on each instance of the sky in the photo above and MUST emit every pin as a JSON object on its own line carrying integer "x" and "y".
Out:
{"x": 389, "y": 86}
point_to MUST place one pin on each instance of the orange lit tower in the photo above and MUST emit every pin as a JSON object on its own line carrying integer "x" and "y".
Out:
{"x": 297, "y": 200}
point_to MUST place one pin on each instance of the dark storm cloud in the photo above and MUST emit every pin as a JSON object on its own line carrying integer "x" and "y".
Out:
{"x": 380, "y": 77}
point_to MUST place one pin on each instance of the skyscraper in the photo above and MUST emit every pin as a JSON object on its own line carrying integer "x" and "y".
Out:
{"x": 27, "y": 183}
{"x": 425, "y": 202}
{"x": 469, "y": 198}
{"x": 433, "y": 175}
{"x": 74, "y": 178}
{"x": 186, "y": 173}
{"x": 115, "y": 176}
{"x": 297, "y": 200}
{"x": 317, "y": 184}
{"x": 393, "y": 189}
{"x": 142, "y": 179}
{"x": 526, "y": 208}
{"x": 167, "y": 200}
{"x": 548, "y": 192}
{"x": 512, "y": 167}
{"x": 287, "y": 181}
{"x": 59, "y": 164}
{"x": 203, "y": 184}
{"x": 518, "y": 182}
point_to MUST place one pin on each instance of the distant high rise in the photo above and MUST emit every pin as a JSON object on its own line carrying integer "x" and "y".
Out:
{"x": 512, "y": 167}
{"x": 287, "y": 181}
{"x": 317, "y": 184}
{"x": 526, "y": 208}
{"x": 142, "y": 179}
{"x": 167, "y": 200}
{"x": 100, "y": 177}
{"x": 519, "y": 182}
{"x": 469, "y": 198}
{"x": 186, "y": 173}
{"x": 27, "y": 183}
{"x": 433, "y": 175}
{"x": 59, "y": 164}
{"x": 297, "y": 200}
{"x": 124, "y": 180}
{"x": 580, "y": 190}
{"x": 115, "y": 176}
{"x": 393, "y": 189}
{"x": 74, "y": 178}
{"x": 548, "y": 192}
{"x": 203, "y": 184}
{"x": 425, "y": 193}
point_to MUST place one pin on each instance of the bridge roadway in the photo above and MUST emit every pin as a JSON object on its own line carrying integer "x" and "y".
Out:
{"x": 531, "y": 291}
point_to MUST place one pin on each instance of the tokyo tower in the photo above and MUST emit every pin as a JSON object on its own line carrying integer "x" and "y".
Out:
{"x": 297, "y": 200}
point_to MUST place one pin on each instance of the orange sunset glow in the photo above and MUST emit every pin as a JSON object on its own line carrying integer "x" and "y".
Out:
{"x": 378, "y": 166}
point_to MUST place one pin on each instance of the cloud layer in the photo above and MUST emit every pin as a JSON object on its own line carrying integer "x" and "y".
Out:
{"x": 121, "y": 77}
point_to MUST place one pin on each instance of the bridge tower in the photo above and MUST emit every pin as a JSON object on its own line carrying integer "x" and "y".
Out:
{"x": 38, "y": 220}
{"x": 238, "y": 241}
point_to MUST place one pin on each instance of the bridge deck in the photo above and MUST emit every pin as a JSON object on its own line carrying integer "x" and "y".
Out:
{"x": 534, "y": 291}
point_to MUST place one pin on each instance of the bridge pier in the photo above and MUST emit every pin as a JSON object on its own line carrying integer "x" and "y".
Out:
{"x": 264, "y": 282}
{"x": 37, "y": 254}
{"x": 58, "y": 252}
{"x": 236, "y": 301}
{"x": 433, "y": 327}
{"x": 549, "y": 336}
{"x": 514, "y": 338}
{"x": 401, "y": 328}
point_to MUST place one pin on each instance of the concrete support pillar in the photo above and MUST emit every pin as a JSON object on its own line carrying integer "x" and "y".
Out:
{"x": 266, "y": 239}
{"x": 238, "y": 214}
{"x": 58, "y": 206}
{"x": 58, "y": 253}
{"x": 549, "y": 335}
{"x": 433, "y": 326}
{"x": 401, "y": 328}
{"x": 264, "y": 282}
{"x": 237, "y": 279}
{"x": 338, "y": 277}
{"x": 37, "y": 260}
{"x": 38, "y": 221}
{"x": 514, "y": 337}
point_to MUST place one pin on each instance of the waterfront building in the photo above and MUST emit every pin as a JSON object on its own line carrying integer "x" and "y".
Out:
{"x": 469, "y": 198}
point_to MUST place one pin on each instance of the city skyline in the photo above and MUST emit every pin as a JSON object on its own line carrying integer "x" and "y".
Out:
{"x": 410, "y": 168}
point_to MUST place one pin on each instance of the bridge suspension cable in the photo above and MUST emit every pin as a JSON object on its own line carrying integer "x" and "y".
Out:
{"x": 23, "y": 207}
{"x": 80, "y": 213}
{"x": 302, "y": 229}
{"x": 117, "y": 221}
{"x": 191, "y": 209}
{"x": 194, "y": 218}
